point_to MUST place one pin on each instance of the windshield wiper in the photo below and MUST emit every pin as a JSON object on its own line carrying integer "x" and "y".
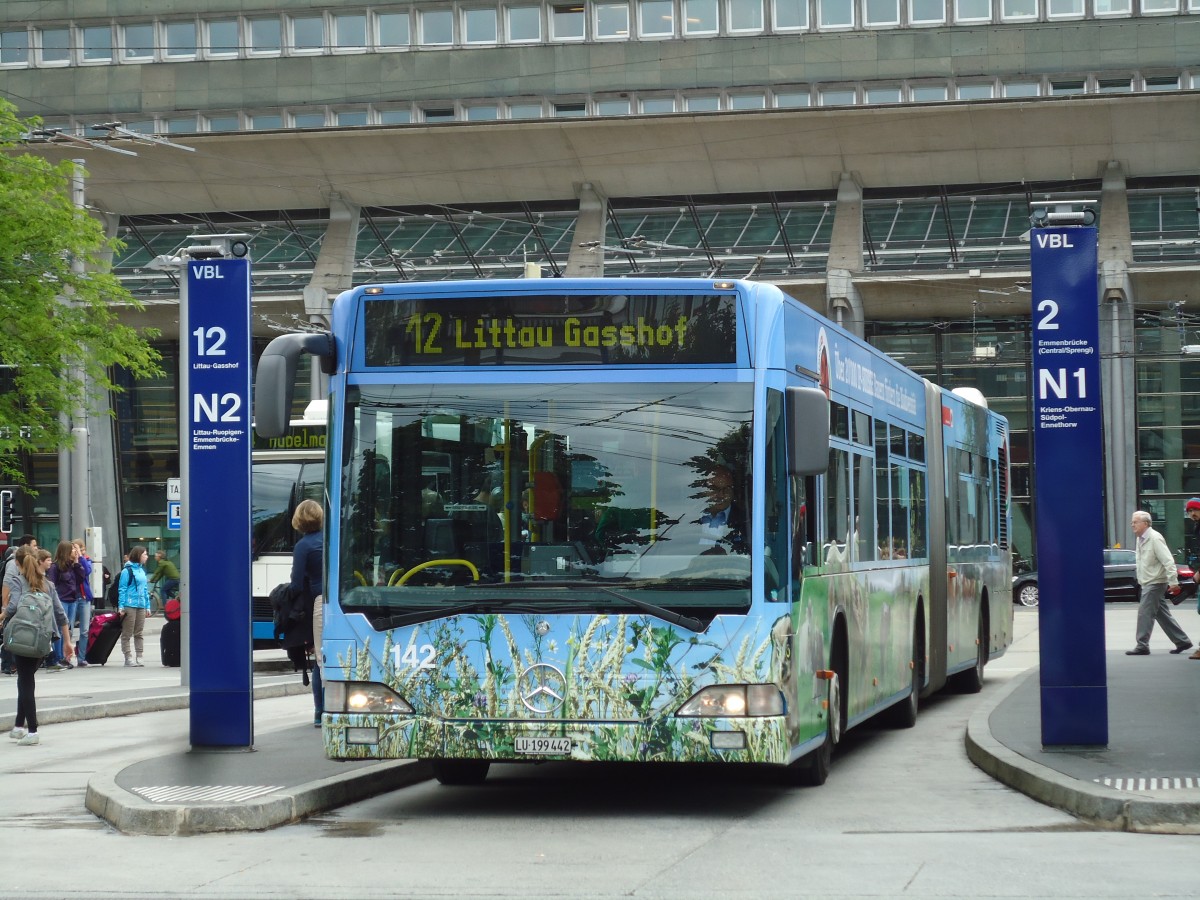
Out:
{"x": 424, "y": 615}
{"x": 689, "y": 622}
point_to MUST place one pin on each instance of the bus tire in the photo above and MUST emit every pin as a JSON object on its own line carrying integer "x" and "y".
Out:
{"x": 460, "y": 771}
{"x": 813, "y": 769}
{"x": 904, "y": 713}
{"x": 971, "y": 681}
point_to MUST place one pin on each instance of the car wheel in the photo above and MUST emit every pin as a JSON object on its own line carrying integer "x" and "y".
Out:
{"x": 1027, "y": 594}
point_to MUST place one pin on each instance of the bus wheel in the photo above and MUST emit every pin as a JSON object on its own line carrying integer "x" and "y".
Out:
{"x": 904, "y": 713}
{"x": 460, "y": 771}
{"x": 971, "y": 681}
{"x": 813, "y": 769}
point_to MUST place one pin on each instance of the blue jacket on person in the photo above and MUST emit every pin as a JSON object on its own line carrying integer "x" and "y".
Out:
{"x": 134, "y": 592}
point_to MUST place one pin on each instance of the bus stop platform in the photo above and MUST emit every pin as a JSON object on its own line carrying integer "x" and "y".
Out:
{"x": 1147, "y": 780}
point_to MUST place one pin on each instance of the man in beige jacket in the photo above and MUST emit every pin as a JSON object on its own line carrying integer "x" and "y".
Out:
{"x": 1156, "y": 573}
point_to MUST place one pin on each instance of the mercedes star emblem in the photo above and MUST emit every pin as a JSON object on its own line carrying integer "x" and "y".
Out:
{"x": 543, "y": 689}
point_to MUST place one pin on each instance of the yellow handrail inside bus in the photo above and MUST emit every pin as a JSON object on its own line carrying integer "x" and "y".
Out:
{"x": 398, "y": 578}
{"x": 359, "y": 576}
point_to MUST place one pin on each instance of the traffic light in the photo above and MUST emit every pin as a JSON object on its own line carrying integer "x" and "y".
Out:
{"x": 6, "y": 511}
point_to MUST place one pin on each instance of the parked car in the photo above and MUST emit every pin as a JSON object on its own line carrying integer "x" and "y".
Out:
{"x": 1120, "y": 580}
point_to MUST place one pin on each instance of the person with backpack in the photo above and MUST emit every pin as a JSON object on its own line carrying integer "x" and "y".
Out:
{"x": 133, "y": 604}
{"x": 10, "y": 577}
{"x": 29, "y": 626}
{"x": 307, "y": 574}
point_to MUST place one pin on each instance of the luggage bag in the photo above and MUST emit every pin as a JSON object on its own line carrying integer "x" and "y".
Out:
{"x": 169, "y": 642}
{"x": 102, "y": 637}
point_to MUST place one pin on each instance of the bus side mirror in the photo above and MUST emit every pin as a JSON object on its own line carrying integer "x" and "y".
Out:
{"x": 275, "y": 379}
{"x": 808, "y": 431}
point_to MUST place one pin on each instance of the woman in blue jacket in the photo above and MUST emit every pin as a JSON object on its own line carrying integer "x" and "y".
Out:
{"x": 133, "y": 604}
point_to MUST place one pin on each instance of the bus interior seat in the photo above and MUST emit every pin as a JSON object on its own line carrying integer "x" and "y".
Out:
{"x": 439, "y": 538}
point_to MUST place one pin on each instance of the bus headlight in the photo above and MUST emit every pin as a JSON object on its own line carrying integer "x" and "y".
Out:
{"x": 363, "y": 697}
{"x": 734, "y": 701}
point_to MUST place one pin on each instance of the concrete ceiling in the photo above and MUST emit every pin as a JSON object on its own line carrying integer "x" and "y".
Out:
{"x": 996, "y": 142}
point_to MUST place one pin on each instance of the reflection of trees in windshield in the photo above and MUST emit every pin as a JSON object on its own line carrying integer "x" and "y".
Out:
{"x": 722, "y": 487}
{"x": 537, "y": 482}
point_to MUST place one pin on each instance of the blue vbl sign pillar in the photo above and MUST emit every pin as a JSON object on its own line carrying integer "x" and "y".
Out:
{"x": 1069, "y": 497}
{"x": 215, "y": 482}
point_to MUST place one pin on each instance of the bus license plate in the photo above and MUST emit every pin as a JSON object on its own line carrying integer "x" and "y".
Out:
{"x": 539, "y": 746}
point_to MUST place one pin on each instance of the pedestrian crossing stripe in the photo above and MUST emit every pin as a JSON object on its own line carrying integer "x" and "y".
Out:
{"x": 209, "y": 793}
{"x": 1151, "y": 784}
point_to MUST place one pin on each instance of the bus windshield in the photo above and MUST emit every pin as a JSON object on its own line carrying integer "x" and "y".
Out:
{"x": 590, "y": 496}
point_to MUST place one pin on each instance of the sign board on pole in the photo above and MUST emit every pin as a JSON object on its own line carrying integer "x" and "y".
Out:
{"x": 215, "y": 500}
{"x": 1069, "y": 491}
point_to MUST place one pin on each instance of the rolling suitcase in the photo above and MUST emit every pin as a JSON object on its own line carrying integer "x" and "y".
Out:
{"x": 102, "y": 637}
{"x": 169, "y": 642}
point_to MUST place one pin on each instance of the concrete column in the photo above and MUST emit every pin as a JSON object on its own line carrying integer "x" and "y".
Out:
{"x": 586, "y": 259}
{"x": 332, "y": 274}
{"x": 843, "y": 303}
{"x": 1117, "y": 370}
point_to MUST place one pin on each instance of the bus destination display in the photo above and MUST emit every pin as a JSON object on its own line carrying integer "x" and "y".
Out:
{"x": 551, "y": 330}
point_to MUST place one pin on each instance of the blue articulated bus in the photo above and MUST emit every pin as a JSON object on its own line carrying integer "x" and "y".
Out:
{"x": 667, "y": 520}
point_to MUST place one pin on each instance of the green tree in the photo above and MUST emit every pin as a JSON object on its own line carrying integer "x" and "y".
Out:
{"x": 58, "y": 305}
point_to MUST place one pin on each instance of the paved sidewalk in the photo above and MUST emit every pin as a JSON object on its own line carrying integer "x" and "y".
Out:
{"x": 1147, "y": 780}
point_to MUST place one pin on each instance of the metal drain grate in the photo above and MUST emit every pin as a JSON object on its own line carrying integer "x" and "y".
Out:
{"x": 1151, "y": 784}
{"x": 209, "y": 793}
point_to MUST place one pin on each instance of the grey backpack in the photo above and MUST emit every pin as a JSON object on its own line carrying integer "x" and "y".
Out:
{"x": 30, "y": 631}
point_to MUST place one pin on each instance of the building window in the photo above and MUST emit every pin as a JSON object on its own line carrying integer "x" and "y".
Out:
{"x": 524, "y": 23}
{"x": 745, "y": 15}
{"x": 656, "y": 18}
{"x": 181, "y": 125}
{"x": 308, "y": 33}
{"x": 883, "y": 95}
{"x": 567, "y": 22}
{"x": 612, "y": 20}
{"x": 479, "y": 26}
{"x": 654, "y": 106}
{"x": 481, "y": 113}
{"x": 265, "y": 36}
{"x": 350, "y": 31}
{"x": 138, "y": 42}
{"x": 1065, "y": 86}
{"x": 1159, "y": 6}
{"x": 1057, "y": 9}
{"x": 14, "y": 48}
{"x": 1022, "y": 89}
{"x": 972, "y": 10}
{"x": 974, "y": 92}
{"x": 394, "y": 30}
{"x": 352, "y": 118}
{"x": 221, "y": 123}
{"x": 700, "y": 16}
{"x": 569, "y": 110}
{"x": 612, "y": 107}
{"x": 1114, "y": 85}
{"x": 835, "y": 13}
{"x": 181, "y": 39}
{"x": 223, "y": 37}
{"x": 266, "y": 121}
{"x": 791, "y": 15}
{"x": 1112, "y": 7}
{"x": 837, "y": 97}
{"x": 308, "y": 120}
{"x": 706, "y": 103}
{"x": 1162, "y": 83}
{"x": 1015, "y": 10}
{"x": 55, "y": 46}
{"x": 747, "y": 101}
{"x": 793, "y": 99}
{"x": 438, "y": 114}
{"x": 882, "y": 12}
{"x": 437, "y": 27}
{"x": 97, "y": 43}
{"x": 525, "y": 110}
{"x": 927, "y": 12}
{"x": 928, "y": 93}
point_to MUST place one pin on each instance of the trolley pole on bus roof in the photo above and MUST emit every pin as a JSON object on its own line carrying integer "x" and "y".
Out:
{"x": 1068, "y": 460}
{"x": 214, "y": 463}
